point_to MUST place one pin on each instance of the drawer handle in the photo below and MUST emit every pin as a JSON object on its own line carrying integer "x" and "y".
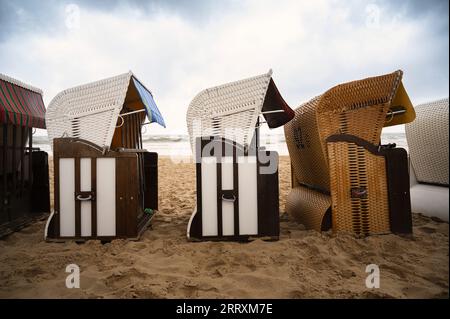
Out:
{"x": 80, "y": 197}
{"x": 228, "y": 199}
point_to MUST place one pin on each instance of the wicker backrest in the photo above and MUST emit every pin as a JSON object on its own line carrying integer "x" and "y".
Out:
{"x": 428, "y": 141}
{"x": 88, "y": 111}
{"x": 231, "y": 110}
{"x": 359, "y": 108}
{"x": 337, "y": 165}
{"x": 91, "y": 111}
{"x": 308, "y": 157}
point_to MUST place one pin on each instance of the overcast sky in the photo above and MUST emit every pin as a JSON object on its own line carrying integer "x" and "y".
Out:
{"x": 177, "y": 48}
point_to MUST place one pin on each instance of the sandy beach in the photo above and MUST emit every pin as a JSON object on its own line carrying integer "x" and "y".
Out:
{"x": 163, "y": 264}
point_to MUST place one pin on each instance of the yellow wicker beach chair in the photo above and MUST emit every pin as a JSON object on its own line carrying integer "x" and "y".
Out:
{"x": 342, "y": 177}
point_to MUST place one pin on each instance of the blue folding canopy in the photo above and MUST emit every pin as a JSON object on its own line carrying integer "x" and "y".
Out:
{"x": 153, "y": 113}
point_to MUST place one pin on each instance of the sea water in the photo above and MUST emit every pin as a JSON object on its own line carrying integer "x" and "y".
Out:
{"x": 178, "y": 145}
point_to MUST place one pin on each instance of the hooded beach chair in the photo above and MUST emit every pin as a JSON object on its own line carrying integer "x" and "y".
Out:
{"x": 106, "y": 184}
{"x": 24, "y": 182}
{"x": 342, "y": 178}
{"x": 237, "y": 181}
{"x": 427, "y": 140}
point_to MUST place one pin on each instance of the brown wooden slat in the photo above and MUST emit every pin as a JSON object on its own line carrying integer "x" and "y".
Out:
{"x": 121, "y": 195}
{"x": 132, "y": 145}
{"x": 94, "y": 203}
{"x": 72, "y": 147}
{"x": 140, "y": 161}
{"x": 133, "y": 197}
{"x": 77, "y": 202}
{"x": 236, "y": 190}
{"x": 13, "y": 162}
{"x": 400, "y": 217}
{"x": 130, "y": 134}
{"x": 130, "y": 119}
{"x": 4, "y": 169}
{"x": 122, "y": 136}
{"x": 127, "y": 132}
{"x": 30, "y": 157}
{"x": 197, "y": 222}
{"x": 134, "y": 130}
{"x": 130, "y": 122}
{"x": 140, "y": 131}
{"x": 127, "y": 193}
{"x": 268, "y": 197}
{"x": 22, "y": 158}
{"x": 219, "y": 196}
{"x": 141, "y": 176}
{"x": 56, "y": 188}
{"x": 124, "y": 133}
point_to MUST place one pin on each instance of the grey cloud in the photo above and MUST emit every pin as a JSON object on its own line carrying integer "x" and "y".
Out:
{"x": 24, "y": 16}
{"x": 417, "y": 9}
{"x": 44, "y": 16}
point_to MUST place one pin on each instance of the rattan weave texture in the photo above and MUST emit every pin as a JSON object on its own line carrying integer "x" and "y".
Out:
{"x": 359, "y": 108}
{"x": 88, "y": 111}
{"x": 308, "y": 206}
{"x": 230, "y": 110}
{"x": 428, "y": 141}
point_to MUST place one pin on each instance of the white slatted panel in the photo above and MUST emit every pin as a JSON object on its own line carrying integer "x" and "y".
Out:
{"x": 209, "y": 196}
{"x": 227, "y": 206}
{"x": 86, "y": 206}
{"x": 67, "y": 197}
{"x": 248, "y": 197}
{"x": 106, "y": 197}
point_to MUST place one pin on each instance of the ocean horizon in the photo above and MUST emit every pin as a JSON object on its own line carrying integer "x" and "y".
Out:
{"x": 178, "y": 144}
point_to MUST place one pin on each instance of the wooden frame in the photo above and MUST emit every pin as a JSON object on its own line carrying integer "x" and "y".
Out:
{"x": 130, "y": 198}
{"x": 267, "y": 192}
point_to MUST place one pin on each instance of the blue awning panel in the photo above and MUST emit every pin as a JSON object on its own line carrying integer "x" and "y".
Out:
{"x": 153, "y": 113}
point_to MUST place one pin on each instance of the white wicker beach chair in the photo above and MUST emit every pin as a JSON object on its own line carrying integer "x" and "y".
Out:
{"x": 232, "y": 110}
{"x": 235, "y": 199}
{"x": 91, "y": 111}
{"x": 428, "y": 141}
{"x": 106, "y": 184}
